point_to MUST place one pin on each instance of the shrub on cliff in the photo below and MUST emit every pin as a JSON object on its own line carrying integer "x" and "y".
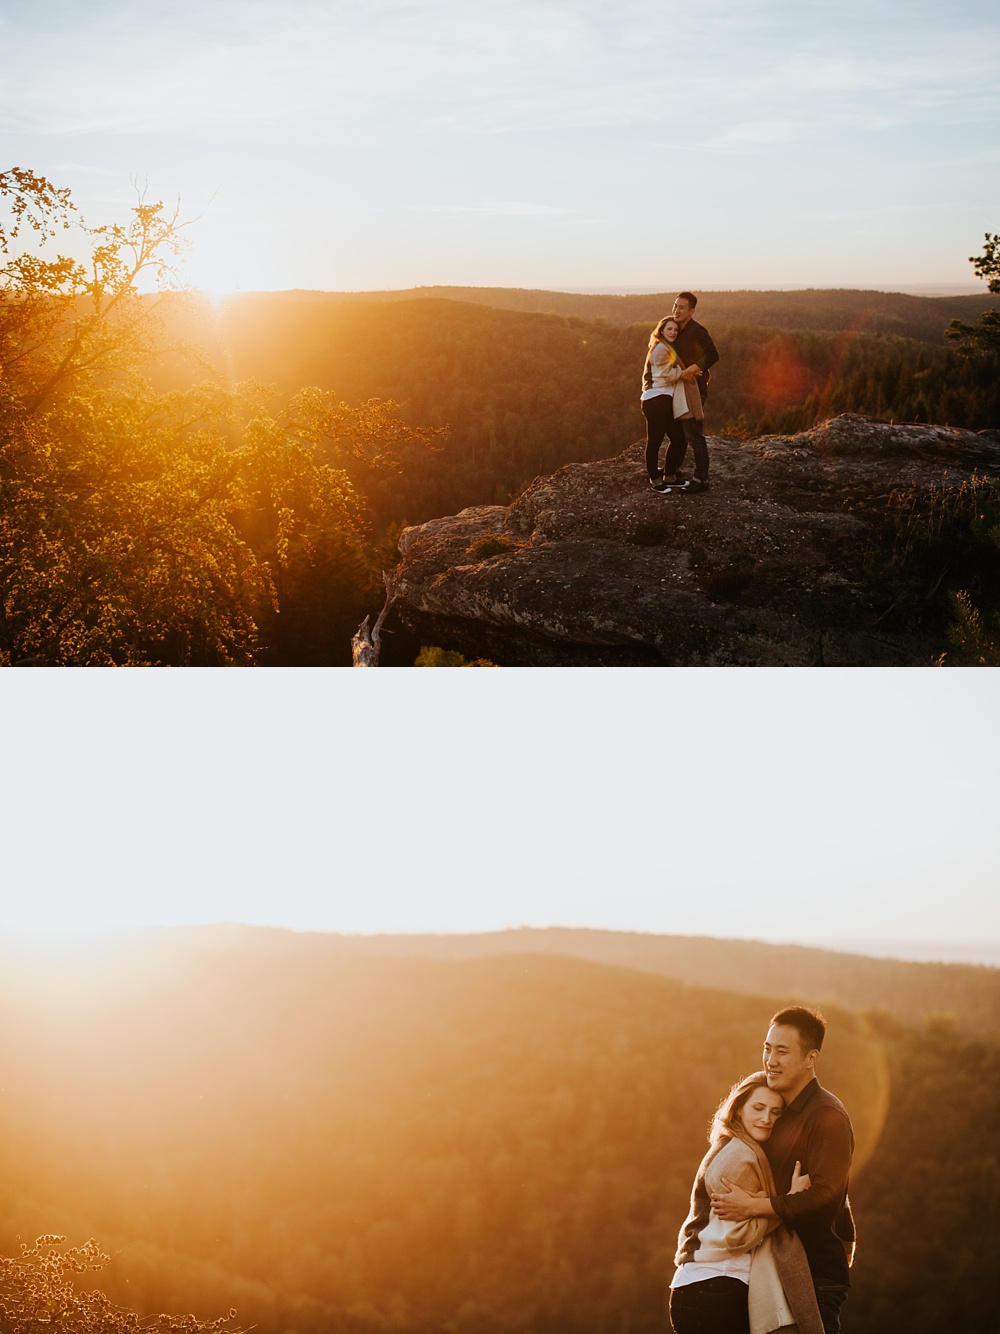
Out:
{"x": 38, "y": 1292}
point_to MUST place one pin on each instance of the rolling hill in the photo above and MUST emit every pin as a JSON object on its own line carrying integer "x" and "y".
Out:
{"x": 912, "y": 992}
{"x": 337, "y": 1143}
{"x": 837, "y": 309}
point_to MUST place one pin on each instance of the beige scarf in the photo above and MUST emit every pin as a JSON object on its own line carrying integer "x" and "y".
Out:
{"x": 782, "y": 1296}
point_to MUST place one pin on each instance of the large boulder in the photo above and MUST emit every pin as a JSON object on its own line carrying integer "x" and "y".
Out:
{"x": 792, "y": 557}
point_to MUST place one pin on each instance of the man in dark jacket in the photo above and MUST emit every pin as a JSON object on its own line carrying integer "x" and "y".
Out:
{"x": 695, "y": 348}
{"x": 813, "y": 1133}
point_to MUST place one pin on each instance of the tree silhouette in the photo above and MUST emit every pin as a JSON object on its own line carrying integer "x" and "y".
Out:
{"x": 984, "y": 335}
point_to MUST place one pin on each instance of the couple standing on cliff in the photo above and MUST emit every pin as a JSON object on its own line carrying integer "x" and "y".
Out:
{"x": 680, "y": 353}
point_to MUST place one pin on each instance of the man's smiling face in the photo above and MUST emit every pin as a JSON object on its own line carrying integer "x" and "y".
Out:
{"x": 681, "y": 310}
{"x": 788, "y": 1066}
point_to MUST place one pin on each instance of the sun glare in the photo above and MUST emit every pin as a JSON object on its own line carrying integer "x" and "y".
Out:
{"x": 222, "y": 263}
{"x": 59, "y": 960}
{"x": 39, "y": 941}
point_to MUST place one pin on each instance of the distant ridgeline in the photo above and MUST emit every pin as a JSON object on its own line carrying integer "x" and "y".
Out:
{"x": 528, "y": 381}
{"x": 912, "y": 992}
{"x": 835, "y": 310}
{"x": 468, "y": 1143}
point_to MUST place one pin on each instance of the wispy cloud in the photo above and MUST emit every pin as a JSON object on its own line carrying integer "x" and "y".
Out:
{"x": 496, "y": 67}
{"x": 759, "y": 132}
{"x": 364, "y": 123}
{"x": 504, "y": 209}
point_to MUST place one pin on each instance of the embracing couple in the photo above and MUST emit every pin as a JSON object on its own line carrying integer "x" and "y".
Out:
{"x": 680, "y": 353}
{"x": 769, "y": 1238}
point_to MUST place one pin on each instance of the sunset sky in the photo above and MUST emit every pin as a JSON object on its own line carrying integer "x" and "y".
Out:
{"x": 560, "y": 143}
{"x": 783, "y": 805}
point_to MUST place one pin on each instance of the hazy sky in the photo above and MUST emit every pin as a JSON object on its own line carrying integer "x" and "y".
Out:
{"x": 789, "y": 805}
{"x": 391, "y": 143}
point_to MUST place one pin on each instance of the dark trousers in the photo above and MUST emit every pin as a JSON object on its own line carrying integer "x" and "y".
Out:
{"x": 659, "y": 414}
{"x": 831, "y": 1297}
{"x": 693, "y": 435}
{"x": 716, "y": 1306}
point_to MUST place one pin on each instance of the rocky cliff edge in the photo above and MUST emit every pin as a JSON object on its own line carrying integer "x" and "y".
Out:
{"x": 803, "y": 552}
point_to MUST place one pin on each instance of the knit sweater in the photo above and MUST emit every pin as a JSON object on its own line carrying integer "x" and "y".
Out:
{"x": 662, "y": 371}
{"x": 780, "y": 1283}
{"x": 705, "y": 1238}
{"x": 781, "y": 1287}
{"x": 662, "y": 375}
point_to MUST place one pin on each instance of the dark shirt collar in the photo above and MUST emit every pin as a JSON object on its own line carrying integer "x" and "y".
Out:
{"x": 800, "y": 1103}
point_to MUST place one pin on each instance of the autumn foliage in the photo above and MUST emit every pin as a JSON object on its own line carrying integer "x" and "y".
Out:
{"x": 140, "y": 526}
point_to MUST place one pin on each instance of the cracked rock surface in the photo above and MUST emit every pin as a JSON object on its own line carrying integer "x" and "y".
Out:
{"x": 781, "y": 563}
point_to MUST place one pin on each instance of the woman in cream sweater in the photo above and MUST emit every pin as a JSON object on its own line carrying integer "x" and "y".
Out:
{"x": 666, "y": 399}
{"x": 750, "y": 1277}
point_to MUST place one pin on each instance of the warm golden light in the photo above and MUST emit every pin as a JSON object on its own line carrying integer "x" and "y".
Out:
{"x": 278, "y": 1124}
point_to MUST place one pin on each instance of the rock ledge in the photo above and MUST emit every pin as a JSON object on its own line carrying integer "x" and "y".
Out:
{"x": 783, "y": 562}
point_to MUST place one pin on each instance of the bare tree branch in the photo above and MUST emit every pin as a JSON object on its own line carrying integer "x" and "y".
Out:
{"x": 366, "y": 645}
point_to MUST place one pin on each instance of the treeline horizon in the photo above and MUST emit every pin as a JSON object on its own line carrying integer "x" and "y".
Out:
{"x": 477, "y": 1146}
{"x": 836, "y": 309}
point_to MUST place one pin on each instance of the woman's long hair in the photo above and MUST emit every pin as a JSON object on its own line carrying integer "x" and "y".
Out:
{"x": 657, "y": 335}
{"x": 726, "y": 1123}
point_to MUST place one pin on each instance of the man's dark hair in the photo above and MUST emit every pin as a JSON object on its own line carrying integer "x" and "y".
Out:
{"x": 809, "y": 1024}
{"x": 689, "y": 297}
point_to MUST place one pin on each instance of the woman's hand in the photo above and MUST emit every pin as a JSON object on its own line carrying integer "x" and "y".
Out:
{"x": 800, "y": 1180}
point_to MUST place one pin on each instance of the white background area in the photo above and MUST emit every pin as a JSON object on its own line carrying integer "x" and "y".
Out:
{"x": 817, "y": 807}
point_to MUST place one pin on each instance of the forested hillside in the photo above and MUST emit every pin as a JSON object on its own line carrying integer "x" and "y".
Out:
{"x": 488, "y": 1145}
{"x": 968, "y": 994}
{"x": 516, "y": 394}
{"x": 832, "y": 309}
{"x": 521, "y": 394}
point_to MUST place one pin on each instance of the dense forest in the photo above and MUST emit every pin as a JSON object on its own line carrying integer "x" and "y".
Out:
{"x": 491, "y": 1145}
{"x": 521, "y": 393}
